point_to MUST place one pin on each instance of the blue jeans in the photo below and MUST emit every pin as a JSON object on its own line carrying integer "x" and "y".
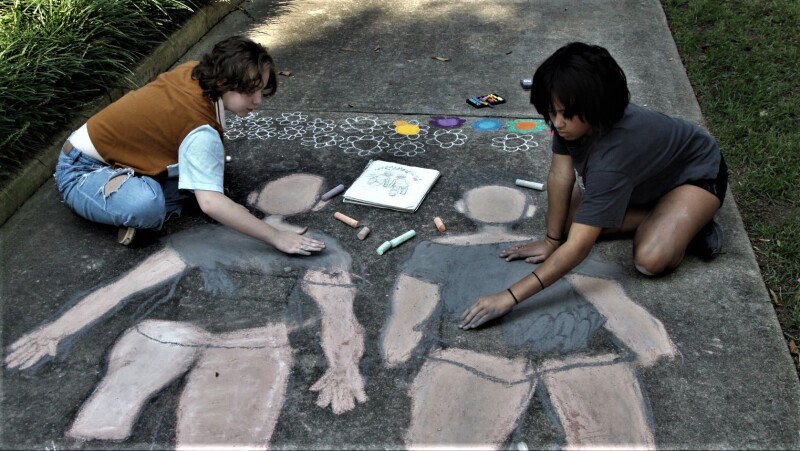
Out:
{"x": 139, "y": 202}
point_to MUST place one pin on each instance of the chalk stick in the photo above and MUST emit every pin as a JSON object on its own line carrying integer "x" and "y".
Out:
{"x": 346, "y": 219}
{"x": 396, "y": 242}
{"x": 402, "y": 238}
{"x": 363, "y": 233}
{"x": 384, "y": 247}
{"x": 531, "y": 185}
{"x": 439, "y": 224}
{"x": 333, "y": 192}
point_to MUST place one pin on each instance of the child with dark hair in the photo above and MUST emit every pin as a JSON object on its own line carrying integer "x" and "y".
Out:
{"x": 617, "y": 168}
{"x": 135, "y": 163}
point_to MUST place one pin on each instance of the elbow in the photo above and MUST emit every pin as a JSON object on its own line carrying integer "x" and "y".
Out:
{"x": 579, "y": 249}
{"x": 208, "y": 203}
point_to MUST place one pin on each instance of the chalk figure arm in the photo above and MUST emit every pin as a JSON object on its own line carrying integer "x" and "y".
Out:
{"x": 631, "y": 323}
{"x": 342, "y": 339}
{"x": 43, "y": 342}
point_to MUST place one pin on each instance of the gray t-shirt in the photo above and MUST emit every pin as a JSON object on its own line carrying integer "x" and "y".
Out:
{"x": 644, "y": 156}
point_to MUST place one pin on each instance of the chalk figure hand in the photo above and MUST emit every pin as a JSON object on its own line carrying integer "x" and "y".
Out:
{"x": 533, "y": 252}
{"x": 294, "y": 243}
{"x": 340, "y": 388}
{"x": 485, "y": 309}
{"x": 33, "y": 347}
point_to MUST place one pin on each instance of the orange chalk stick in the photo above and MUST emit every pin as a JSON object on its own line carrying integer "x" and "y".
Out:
{"x": 439, "y": 224}
{"x": 346, "y": 219}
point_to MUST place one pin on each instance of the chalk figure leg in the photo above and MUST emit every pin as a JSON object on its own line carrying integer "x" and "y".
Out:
{"x": 146, "y": 359}
{"x": 462, "y": 398}
{"x": 235, "y": 392}
{"x": 608, "y": 415}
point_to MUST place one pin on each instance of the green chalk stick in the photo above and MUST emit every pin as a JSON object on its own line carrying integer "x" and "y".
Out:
{"x": 396, "y": 242}
{"x": 384, "y": 247}
{"x": 403, "y": 238}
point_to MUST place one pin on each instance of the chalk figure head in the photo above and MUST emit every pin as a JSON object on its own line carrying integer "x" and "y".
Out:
{"x": 289, "y": 195}
{"x": 494, "y": 204}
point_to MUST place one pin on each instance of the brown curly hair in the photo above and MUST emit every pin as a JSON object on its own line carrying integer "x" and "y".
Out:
{"x": 235, "y": 64}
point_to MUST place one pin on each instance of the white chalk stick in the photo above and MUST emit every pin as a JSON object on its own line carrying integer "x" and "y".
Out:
{"x": 531, "y": 185}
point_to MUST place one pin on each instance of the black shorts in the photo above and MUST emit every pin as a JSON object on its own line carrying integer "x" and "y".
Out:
{"x": 717, "y": 186}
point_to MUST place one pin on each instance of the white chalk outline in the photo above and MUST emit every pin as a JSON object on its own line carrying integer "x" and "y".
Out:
{"x": 502, "y": 142}
{"x": 459, "y": 140}
{"x": 349, "y": 145}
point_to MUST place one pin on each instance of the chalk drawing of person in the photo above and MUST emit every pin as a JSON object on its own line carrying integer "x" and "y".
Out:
{"x": 473, "y": 388}
{"x": 235, "y": 380}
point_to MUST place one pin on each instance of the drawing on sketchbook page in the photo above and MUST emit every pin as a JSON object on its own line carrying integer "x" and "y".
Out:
{"x": 391, "y": 185}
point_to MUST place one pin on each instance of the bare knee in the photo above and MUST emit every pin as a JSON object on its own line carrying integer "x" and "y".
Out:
{"x": 655, "y": 260}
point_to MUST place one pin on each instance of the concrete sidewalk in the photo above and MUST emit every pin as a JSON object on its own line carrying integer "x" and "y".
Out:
{"x": 230, "y": 334}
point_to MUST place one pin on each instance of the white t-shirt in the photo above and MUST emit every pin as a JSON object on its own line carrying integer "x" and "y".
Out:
{"x": 201, "y": 160}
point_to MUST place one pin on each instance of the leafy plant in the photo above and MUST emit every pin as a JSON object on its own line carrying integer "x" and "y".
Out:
{"x": 55, "y": 55}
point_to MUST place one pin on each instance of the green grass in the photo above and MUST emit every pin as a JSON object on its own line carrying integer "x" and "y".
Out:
{"x": 55, "y": 55}
{"x": 743, "y": 59}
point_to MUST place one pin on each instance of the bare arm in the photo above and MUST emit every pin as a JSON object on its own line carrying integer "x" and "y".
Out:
{"x": 44, "y": 340}
{"x": 342, "y": 339}
{"x": 564, "y": 259}
{"x": 560, "y": 182}
{"x": 222, "y": 209}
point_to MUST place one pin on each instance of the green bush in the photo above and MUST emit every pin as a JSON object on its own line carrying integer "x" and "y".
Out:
{"x": 55, "y": 55}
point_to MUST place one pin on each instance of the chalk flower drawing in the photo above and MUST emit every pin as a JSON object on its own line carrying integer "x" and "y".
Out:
{"x": 262, "y": 133}
{"x": 446, "y": 121}
{"x": 362, "y": 124}
{"x": 447, "y": 138}
{"x": 235, "y": 126}
{"x": 292, "y": 119}
{"x": 407, "y": 149}
{"x": 487, "y": 125}
{"x": 526, "y": 125}
{"x": 407, "y": 130}
{"x": 260, "y": 128}
{"x": 319, "y": 125}
{"x": 292, "y": 133}
{"x": 513, "y": 142}
{"x": 320, "y": 140}
{"x": 233, "y": 133}
{"x": 364, "y": 145}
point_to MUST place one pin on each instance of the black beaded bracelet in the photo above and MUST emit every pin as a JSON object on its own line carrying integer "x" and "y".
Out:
{"x": 538, "y": 278}
{"x": 516, "y": 301}
{"x": 558, "y": 240}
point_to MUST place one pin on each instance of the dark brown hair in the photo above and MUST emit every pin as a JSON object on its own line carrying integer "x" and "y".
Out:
{"x": 587, "y": 81}
{"x": 235, "y": 64}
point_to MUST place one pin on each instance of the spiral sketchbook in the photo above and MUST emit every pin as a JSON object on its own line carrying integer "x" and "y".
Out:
{"x": 391, "y": 185}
